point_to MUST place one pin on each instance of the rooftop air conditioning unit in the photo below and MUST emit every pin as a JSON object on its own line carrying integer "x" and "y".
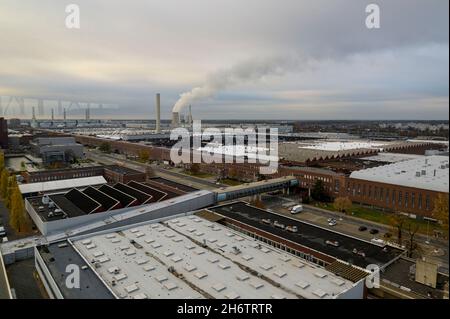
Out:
{"x": 45, "y": 200}
{"x": 424, "y": 172}
{"x": 417, "y": 174}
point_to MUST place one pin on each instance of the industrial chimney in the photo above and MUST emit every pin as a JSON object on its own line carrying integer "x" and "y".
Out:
{"x": 175, "y": 119}
{"x": 190, "y": 116}
{"x": 158, "y": 113}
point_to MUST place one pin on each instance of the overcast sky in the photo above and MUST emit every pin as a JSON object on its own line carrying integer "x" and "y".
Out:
{"x": 126, "y": 51}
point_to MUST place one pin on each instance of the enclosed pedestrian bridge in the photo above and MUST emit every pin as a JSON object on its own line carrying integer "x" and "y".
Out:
{"x": 250, "y": 189}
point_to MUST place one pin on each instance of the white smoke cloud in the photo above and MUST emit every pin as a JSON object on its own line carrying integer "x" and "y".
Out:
{"x": 248, "y": 71}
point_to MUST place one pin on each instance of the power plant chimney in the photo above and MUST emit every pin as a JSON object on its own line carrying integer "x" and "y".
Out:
{"x": 158, "y": 113}
{"x": 59, "y": 108}
{"x": 53, "y": 115}
{"x": 64, "y": 114}
{"x": 175, "y": 119}
{"x": 40, "y": 107}
{"x": 190, "y": 116}
{"x": 33, "y": 116}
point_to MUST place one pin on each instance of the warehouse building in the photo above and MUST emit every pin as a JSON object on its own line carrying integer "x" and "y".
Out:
{"x": 409, "y": 186}
{"x": 60, "y": 211}
{"x": 57, "y": 149}
{"x": 185, "y": 257}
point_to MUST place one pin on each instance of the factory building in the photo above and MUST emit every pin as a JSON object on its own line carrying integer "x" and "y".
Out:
{"x": 59, "y": 211}
{"x": 56, "y": 149}
{"x": 186, "y": 257}
{"x": 112, "y": 173}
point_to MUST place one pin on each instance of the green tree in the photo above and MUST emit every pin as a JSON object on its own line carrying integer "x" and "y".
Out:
{"x": 105, "y": 147}
{"x": 2, "y": 161}
{"x": 4, "y": 184}
{"x": 18, "y": 219}
{"x": 440, "y": 210}
{"x": 342, "y": 204}
{"x": 12, "y": 184}
{"x": 318, "y": 191}
{"x": 144, "y": 155}
{"x": 195, "y": 168}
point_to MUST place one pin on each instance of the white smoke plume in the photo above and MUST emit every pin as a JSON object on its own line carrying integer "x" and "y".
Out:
{"x": 248, "y": 71}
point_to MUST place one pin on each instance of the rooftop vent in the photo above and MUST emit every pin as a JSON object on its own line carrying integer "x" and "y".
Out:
{"x": 424, "y": 172}
{"x": 417, "y": 174}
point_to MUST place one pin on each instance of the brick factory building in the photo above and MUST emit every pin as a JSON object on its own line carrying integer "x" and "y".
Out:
{"x": 112, "y": 173}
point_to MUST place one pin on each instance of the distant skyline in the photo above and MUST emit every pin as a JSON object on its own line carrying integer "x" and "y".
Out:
{"x": 126, "y": 52}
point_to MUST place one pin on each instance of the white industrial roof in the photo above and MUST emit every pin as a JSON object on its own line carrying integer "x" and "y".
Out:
{"x": 392, "y": 157}
{"x": 428, "y": 172}
{"x": 190, "y": 257}
{"x": 344, "y": 145}
{"x": 61, "y": 184}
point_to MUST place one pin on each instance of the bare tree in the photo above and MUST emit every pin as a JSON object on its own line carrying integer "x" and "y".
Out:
{"x": 397, "y": 222}
{"x": 411, "y": 229}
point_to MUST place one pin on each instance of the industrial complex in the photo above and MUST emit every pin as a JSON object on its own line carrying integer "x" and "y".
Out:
{"x": 106, "y": 198}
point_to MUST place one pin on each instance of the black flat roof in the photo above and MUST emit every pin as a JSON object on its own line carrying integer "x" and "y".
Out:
{"x": 157, "y": 195}
{"x": 133, "y": 192}
{"x": 123, "y": 198}
{"x": 65, "y": 205}
{"x": 310, "y": 236}
{"x": 82, "y": 201}
{"x": 106, "y": 201}
{"x": 57, "y": 258}
{"x": 170, "y": 194}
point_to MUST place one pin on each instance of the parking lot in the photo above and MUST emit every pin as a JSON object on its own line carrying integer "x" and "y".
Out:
{"x": 348, "y": 249}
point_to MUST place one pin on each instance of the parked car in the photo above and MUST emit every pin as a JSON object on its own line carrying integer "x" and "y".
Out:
{"x": 374, "y": 231}
{"x": 332, "y": 222}
{"x": 334, "y": 243}
{"x": 362, "y": 228}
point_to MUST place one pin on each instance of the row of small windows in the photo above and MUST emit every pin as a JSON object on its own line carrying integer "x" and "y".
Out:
{"x": 315, "y": 178}
{"x": 59, "y": 177}
{"x": 399, "y": 198}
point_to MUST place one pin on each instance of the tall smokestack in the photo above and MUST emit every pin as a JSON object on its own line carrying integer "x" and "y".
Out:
{"x": 40, "y": 107}
{"x": 59, "y": 108}
{"x": 53, "y": 115}
{"x": 158, "y": 113}
{"x": 87, "y": 114}
{"x": 190, "y": 116}
{"x": 64, "y": 114}
{"x": 175, "y": 119}
{"x": 33, "y": 116}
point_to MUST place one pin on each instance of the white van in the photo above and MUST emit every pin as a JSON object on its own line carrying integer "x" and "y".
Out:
{"x": 296, "y": 209}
